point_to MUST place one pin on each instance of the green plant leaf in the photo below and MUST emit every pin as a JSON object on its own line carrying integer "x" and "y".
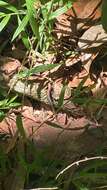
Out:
{"x": 12, "y": 105}
{"x": 3, "y": 102}
{"x": 3, "y": 3}
{"x": 2, "y": 115}
{"x": 9, "y": 103}
{"x": 77, "y": 92}
{"x": 25, "y": 37}
{"x": 2, "y": 14}
{"x": 61, "y": 96}
{"x": 25, "y": 40}
{"x": 4, "y": 22}
{"x": 32, "y": 20}
{"x": 47, "y": 9}
{"x": 8, "y": 6}
{"x": 13, "y": 99}
{"x": 81, "y": 101}
{"x": 20, "y": 127}
{"x": 60, "y": 11}
{"x": 21, "y": 27}
{"x": 35, "y": 27}
{"x": 30, "y": 7}
{"x": 38, "y": 69}
{"x": 104, "y": 15}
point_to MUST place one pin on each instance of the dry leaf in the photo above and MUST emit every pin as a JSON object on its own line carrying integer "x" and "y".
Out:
{"x": 90, "y": 14}
{"x": 8, "y": 67}
{"x": 89, "y": 8}
{"x": 94, "y": 37}
{"x": 83, "y": 11}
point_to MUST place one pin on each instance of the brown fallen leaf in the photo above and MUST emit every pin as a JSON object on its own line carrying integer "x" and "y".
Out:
{"x": 90, "y": 14}
{"x": 73, "y": 59}
{"x": 69, "y": 140}
{"x": 89, "y": 8}
{"x": 8, "y": 64}
{"x": 64, "y": 135}
{"x": 36, "y": 127}
{"x": 8, "y": 67}
{"x": 78, "y": 78}
{"x": 94, "y": 37}
{"x": 85, "y": 13}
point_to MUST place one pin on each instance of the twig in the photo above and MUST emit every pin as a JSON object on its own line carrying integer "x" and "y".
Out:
{"x": 80, "y": 161}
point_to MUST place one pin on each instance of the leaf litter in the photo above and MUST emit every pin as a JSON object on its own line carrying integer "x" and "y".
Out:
{"x": 80, "y": 48}
{"x": 75, "y": 51}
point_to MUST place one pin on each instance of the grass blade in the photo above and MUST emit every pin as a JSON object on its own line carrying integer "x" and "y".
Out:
{"x": 8, "y": 6}
{"x": 21, "y": 27}
{"x": 61, "y": 96}
{"x": 38, "y": 69}
{"x": 20, "y": 127}
{"x": 4, "y": 22}
{"x": 60, "y": 11}
{"x": 32, "y": 20}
